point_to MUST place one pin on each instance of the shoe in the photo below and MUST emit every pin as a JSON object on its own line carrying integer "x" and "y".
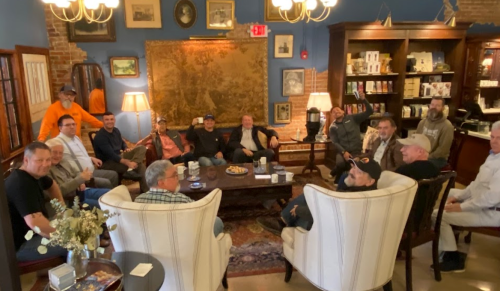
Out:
{"x": 129, "y": 169}
{"x": 132, "y": 175}
{"x": 105, "y": 234}
{"x": 453, "y": 262}
{"x": 272, "y": 224}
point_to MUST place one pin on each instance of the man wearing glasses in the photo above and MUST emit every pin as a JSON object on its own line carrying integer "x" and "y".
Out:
{"x": 163, "y": 181}
{"x": 65, "y": 106}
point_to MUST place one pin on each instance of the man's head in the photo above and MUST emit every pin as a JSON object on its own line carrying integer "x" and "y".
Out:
{"x": 415, "y": 148}
{"x": 436, "y": 108}
{"x": 67, "y": 95}
{"x": 37, "y": 159}
{"x": 67, "y": 125}
{"x": 364, "y": 173}
{"x": 386, "y": 128}
{"x": 98, "y": 83}
{"x": 337, "y": 113}
{"x": 209, "y": 122}
{"x": 247, "y": 121}
{"x": 56, "y": 150}
{"x": 495, "y": 137}
{"x": 163, "y": 175}
{"x": 161, "y": 124}
{"x": 108, "y": 119}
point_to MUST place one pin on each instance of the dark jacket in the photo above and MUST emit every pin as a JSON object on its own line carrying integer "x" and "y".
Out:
{"x": 206, "y": 143}
{"x": 393, "y": 157}
{"x": 107, "y": 145}
{"x": 346, "y": 135}
{"x": 237, "y": 134}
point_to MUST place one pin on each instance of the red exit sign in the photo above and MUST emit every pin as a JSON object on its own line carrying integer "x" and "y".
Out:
{"x": 258, "y": 30}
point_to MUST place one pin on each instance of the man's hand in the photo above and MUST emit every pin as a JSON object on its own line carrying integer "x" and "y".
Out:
{"x": 219, "y": 155}
{"x": 347, "y": 155}
{"x": 455, "y": 207}
{"x": 82, "y": 187}
{"x": 195, "y": 121}
{"x": 292, "y": 211}
{"x": 86, "y": 174}
{"x": 248, "y": 153}
{"x": 274, "y": 142}
{"x": 451, "y": 200}
{"x": 132, "y": 165}
{"x": 96, "y": 162}
{"x": 127, "y": 150}
{"x": 361, "y": 95}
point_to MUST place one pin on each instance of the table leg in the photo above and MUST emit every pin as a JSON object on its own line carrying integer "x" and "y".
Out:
{"x": 310, "y": 165}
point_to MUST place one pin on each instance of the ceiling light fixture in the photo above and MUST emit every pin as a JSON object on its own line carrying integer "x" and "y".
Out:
{"x": 90, "y": 10}
{"x": 306, "y": 8}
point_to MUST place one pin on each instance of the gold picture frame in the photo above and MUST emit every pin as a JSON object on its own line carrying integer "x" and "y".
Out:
{"x": 271, "y": 13}
{"x": 124, "y": 67}
{"x": 220, "y": 15}
{"x": 142, "y": 13}
{"x": 282, "y": 112}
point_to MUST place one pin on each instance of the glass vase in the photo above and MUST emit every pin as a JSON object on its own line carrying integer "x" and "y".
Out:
{"x": 78, "y": 260}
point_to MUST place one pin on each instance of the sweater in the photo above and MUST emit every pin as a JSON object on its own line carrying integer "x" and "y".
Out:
{"x": 107, "y": 145}
{"x": 440, "y": 133}
{"x": 206, "y": 143}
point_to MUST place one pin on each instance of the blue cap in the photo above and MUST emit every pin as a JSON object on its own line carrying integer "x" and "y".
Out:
{"x": 209, "y": 116}
{"x": 68, "y": 88}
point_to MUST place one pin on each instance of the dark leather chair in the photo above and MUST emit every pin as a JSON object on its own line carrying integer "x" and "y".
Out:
{"x": 419, "y": 228}
{"x": 459, "y": 137}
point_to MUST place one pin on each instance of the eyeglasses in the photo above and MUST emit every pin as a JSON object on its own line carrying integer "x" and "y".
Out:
{"x": 69, "y": 124}
{"x": 174, "y": 176}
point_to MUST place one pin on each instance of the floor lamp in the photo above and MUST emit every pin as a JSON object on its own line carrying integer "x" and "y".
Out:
{"x": 135, "y": 102}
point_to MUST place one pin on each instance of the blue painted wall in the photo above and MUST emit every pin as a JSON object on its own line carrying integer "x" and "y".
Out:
{"x": 314, "y": 36}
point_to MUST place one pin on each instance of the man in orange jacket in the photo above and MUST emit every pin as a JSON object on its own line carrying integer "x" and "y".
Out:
{"x": 65, "y": 105}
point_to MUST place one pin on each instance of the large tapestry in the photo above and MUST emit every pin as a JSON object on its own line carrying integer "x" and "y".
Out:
{"x": 191, "y": 78}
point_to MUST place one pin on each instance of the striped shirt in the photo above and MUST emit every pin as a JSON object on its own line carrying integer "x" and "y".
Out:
{"x": 161, "y": 196}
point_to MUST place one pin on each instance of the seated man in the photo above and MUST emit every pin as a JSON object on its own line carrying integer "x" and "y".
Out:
{"x": 363, "y": 176}
{"x": 476, "y": 205}
{"x": 108, "y": 144}
{"x": 415, "y": 152}
{"x": 244, "y": 145}
{"x": 76, "y": 154}
{"x": 209, "y": 144}
{"x": 386, "y": 150}
{"x": 69, "y": 179}
{"x": 169, "y": 144}
{"x": 24, "y": 188}
{"x": 163, "y": 180}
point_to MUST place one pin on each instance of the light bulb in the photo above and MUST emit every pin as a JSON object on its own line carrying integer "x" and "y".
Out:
{"x": 49, "y": 1}
{"x": 277, "y": 3}
{"x": 62, "y": 3}
{"x": 311, "y": 4}
{"x": 91, "y": 4}
{"x": 329, "y": 3}
{"x": 286, "y": 5}
{"x": 299, "y": 1}
{"x": 111, "y": 3}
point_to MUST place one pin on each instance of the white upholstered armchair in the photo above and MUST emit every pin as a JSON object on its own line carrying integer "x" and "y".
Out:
{"x": 180, "y": 236}
{"x": 354, "y": 239}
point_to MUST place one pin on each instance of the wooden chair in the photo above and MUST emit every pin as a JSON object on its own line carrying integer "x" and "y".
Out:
{"x": 419, "y": 228}
{"x": 491, "y": 231}
{"x": 459, "y": 137}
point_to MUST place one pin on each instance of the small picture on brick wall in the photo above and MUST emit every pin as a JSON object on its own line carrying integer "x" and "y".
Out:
{"x": 82, "y": 31}
{"x": 293, "y": 82}
{"x": 282, "y": 112}
{"x": 124, "y": 67}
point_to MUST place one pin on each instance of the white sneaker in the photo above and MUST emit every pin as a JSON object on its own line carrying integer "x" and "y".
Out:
{"x": 130, "y": 169}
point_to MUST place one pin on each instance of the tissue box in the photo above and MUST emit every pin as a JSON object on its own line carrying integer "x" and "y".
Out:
{"x": 62, "y": 277}
{"x": 370, "y": 86}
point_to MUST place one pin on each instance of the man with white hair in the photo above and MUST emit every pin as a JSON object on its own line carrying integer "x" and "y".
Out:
{"x": 415, "y": 151}
{"x": 476, "y": 205}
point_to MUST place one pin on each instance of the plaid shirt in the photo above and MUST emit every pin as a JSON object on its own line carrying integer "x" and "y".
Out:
{"x": 161, "y": 196}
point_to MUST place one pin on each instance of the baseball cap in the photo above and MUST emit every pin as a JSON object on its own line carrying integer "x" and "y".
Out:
{"x": 68, "y": 88}
{"x": 160, "y": 118}
{"x": 418, "y": 140}
{"x": 209, "y": 116}
{"x": 368, "y": 166}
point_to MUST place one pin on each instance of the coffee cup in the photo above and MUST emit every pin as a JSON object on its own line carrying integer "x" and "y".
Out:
{"x": 180, "y": 169}
{"x": 274, "y": 178}
{"x": 263, "y": 160}
{"x": 200, "y": 120}
{"x": 289, "y": 176}
{"x": 190, "y": 164}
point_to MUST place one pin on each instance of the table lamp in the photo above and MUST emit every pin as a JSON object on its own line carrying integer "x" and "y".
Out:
{"x": 135, "y": 102}
{"x": 318, "y": 102}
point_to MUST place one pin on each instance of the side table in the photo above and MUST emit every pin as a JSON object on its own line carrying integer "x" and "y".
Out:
{"x": 310, "y": 165}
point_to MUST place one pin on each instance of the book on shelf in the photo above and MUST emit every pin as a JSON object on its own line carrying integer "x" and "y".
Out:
{"x": 361, "y": 87}
{"x": 384, "y": 86}
{"x": 389, "y": 87}
{"x": 349, "y": 88}
{"x": 379, "y": 87}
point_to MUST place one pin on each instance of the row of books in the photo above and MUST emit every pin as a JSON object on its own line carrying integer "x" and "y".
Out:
{"x": 378, "y": 108}
{"x": 371, "y": 87}
{"x": 419, "y": 110}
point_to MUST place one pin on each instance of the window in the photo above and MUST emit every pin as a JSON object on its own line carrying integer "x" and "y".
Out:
{"x": 9, "y": 100}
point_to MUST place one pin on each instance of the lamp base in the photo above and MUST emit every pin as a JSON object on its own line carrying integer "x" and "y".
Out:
{"x": 312, "y": 129}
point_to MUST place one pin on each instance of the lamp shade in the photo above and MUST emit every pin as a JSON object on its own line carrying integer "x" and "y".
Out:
{"x": 135, "y": 102}
{"x": 320, "y": 100}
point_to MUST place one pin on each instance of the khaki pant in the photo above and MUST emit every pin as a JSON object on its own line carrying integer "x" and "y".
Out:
{"x": 135, "y": 155}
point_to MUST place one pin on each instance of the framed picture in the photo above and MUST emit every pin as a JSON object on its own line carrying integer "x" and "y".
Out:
{"x": 272, "y": 13}
{"x": 82, "y": 31}
{"x": 282, "y": 112}
{"x": 293, "y": 82}
{"x": 283, "y": 46}
{"x": 220, "y": 14}
{"x": 124, "y": 67}
{"x": 142, "y": 14}
{"x": 185, "y": 13}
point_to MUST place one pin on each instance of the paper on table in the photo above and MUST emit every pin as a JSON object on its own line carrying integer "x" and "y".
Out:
{"x": 141, "y": 270}
{"x": 262, "y": 176}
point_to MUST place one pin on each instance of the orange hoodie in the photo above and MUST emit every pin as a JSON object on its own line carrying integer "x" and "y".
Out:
{"x": 56, "y": 110}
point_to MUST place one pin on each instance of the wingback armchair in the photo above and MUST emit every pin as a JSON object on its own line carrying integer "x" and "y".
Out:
{"x": 180, "y": 236}
{"x": 354, "y": 239}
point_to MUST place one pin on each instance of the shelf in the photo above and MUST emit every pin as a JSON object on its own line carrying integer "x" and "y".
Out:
{"x": 372, "y": 75}
{"x": 426, "y": 98}
{"x": 412, "y": 118}
{"x": 429, "y": 73}
{"x": 491, "y": 111}
{"x": 489, "y": 87}
{"x": 388, "y": 93}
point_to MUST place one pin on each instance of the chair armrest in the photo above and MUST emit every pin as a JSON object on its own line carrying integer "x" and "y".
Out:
{"x": 151, "y": 155}
{"x": 276, "y": 150}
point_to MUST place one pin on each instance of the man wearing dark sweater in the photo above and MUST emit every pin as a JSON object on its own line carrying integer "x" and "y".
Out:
{"x": 209, "y": 144}
{"x": 109, "y": 145}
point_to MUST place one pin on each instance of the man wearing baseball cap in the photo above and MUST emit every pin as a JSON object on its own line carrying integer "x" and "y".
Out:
{"x": 208, "y": 142}
{"x": 415, "y": 151}
{"x": 363, "y": 176}
{"x": 65, "y": 105}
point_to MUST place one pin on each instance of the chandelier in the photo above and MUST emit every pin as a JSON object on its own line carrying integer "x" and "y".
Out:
{"x": 306, "y": 7}
{"x": 76, "y": 10}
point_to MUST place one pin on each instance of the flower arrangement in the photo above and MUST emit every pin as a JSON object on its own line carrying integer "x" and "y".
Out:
{"x": 75, "y": 229}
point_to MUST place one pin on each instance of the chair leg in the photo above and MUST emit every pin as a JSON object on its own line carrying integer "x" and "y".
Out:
{"x": 289, "y": 270}
{"x": 409, "y": 283}
{"x": 468, "y": 238}
{"x": 224, "y": 280}
{"x": 388, "y": 286}
{"x": 435, "y": 259}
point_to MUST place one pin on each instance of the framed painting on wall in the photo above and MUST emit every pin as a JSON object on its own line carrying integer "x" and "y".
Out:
{"x": 282, "y": 112}
{"x": 220, "y": 14}
{"x": 283, "y": 46}
{"x": 124, "y": 67}
{"x": 185, "y": 13}
{"x": 293, "y": 82}
{"x": 82, "y": 31}
{"x": 272, "y": 13}
{"x": 142, "y": 14}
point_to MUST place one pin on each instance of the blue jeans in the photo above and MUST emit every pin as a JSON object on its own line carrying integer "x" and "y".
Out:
{"x": 213, "y": 161}
{"x": 439, "y": 162}
{"x": 303, "y": 217}
{"x": 28, "y": 250}
{"x": 92, "y": 196}
{"x": 218, "y": 226}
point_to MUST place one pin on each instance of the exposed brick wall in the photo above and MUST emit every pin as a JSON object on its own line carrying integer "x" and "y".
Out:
{"x": 475, "y": 11}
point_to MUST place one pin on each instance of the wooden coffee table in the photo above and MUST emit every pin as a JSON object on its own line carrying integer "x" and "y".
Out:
{"x": 238, "y": 187}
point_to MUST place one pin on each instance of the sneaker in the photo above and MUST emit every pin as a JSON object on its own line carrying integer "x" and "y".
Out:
{"x": 453, "y": 262}
{"x": 271, "y": 224}
{"x": 132, "y": 175}
{"x": 129, "y": 169}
